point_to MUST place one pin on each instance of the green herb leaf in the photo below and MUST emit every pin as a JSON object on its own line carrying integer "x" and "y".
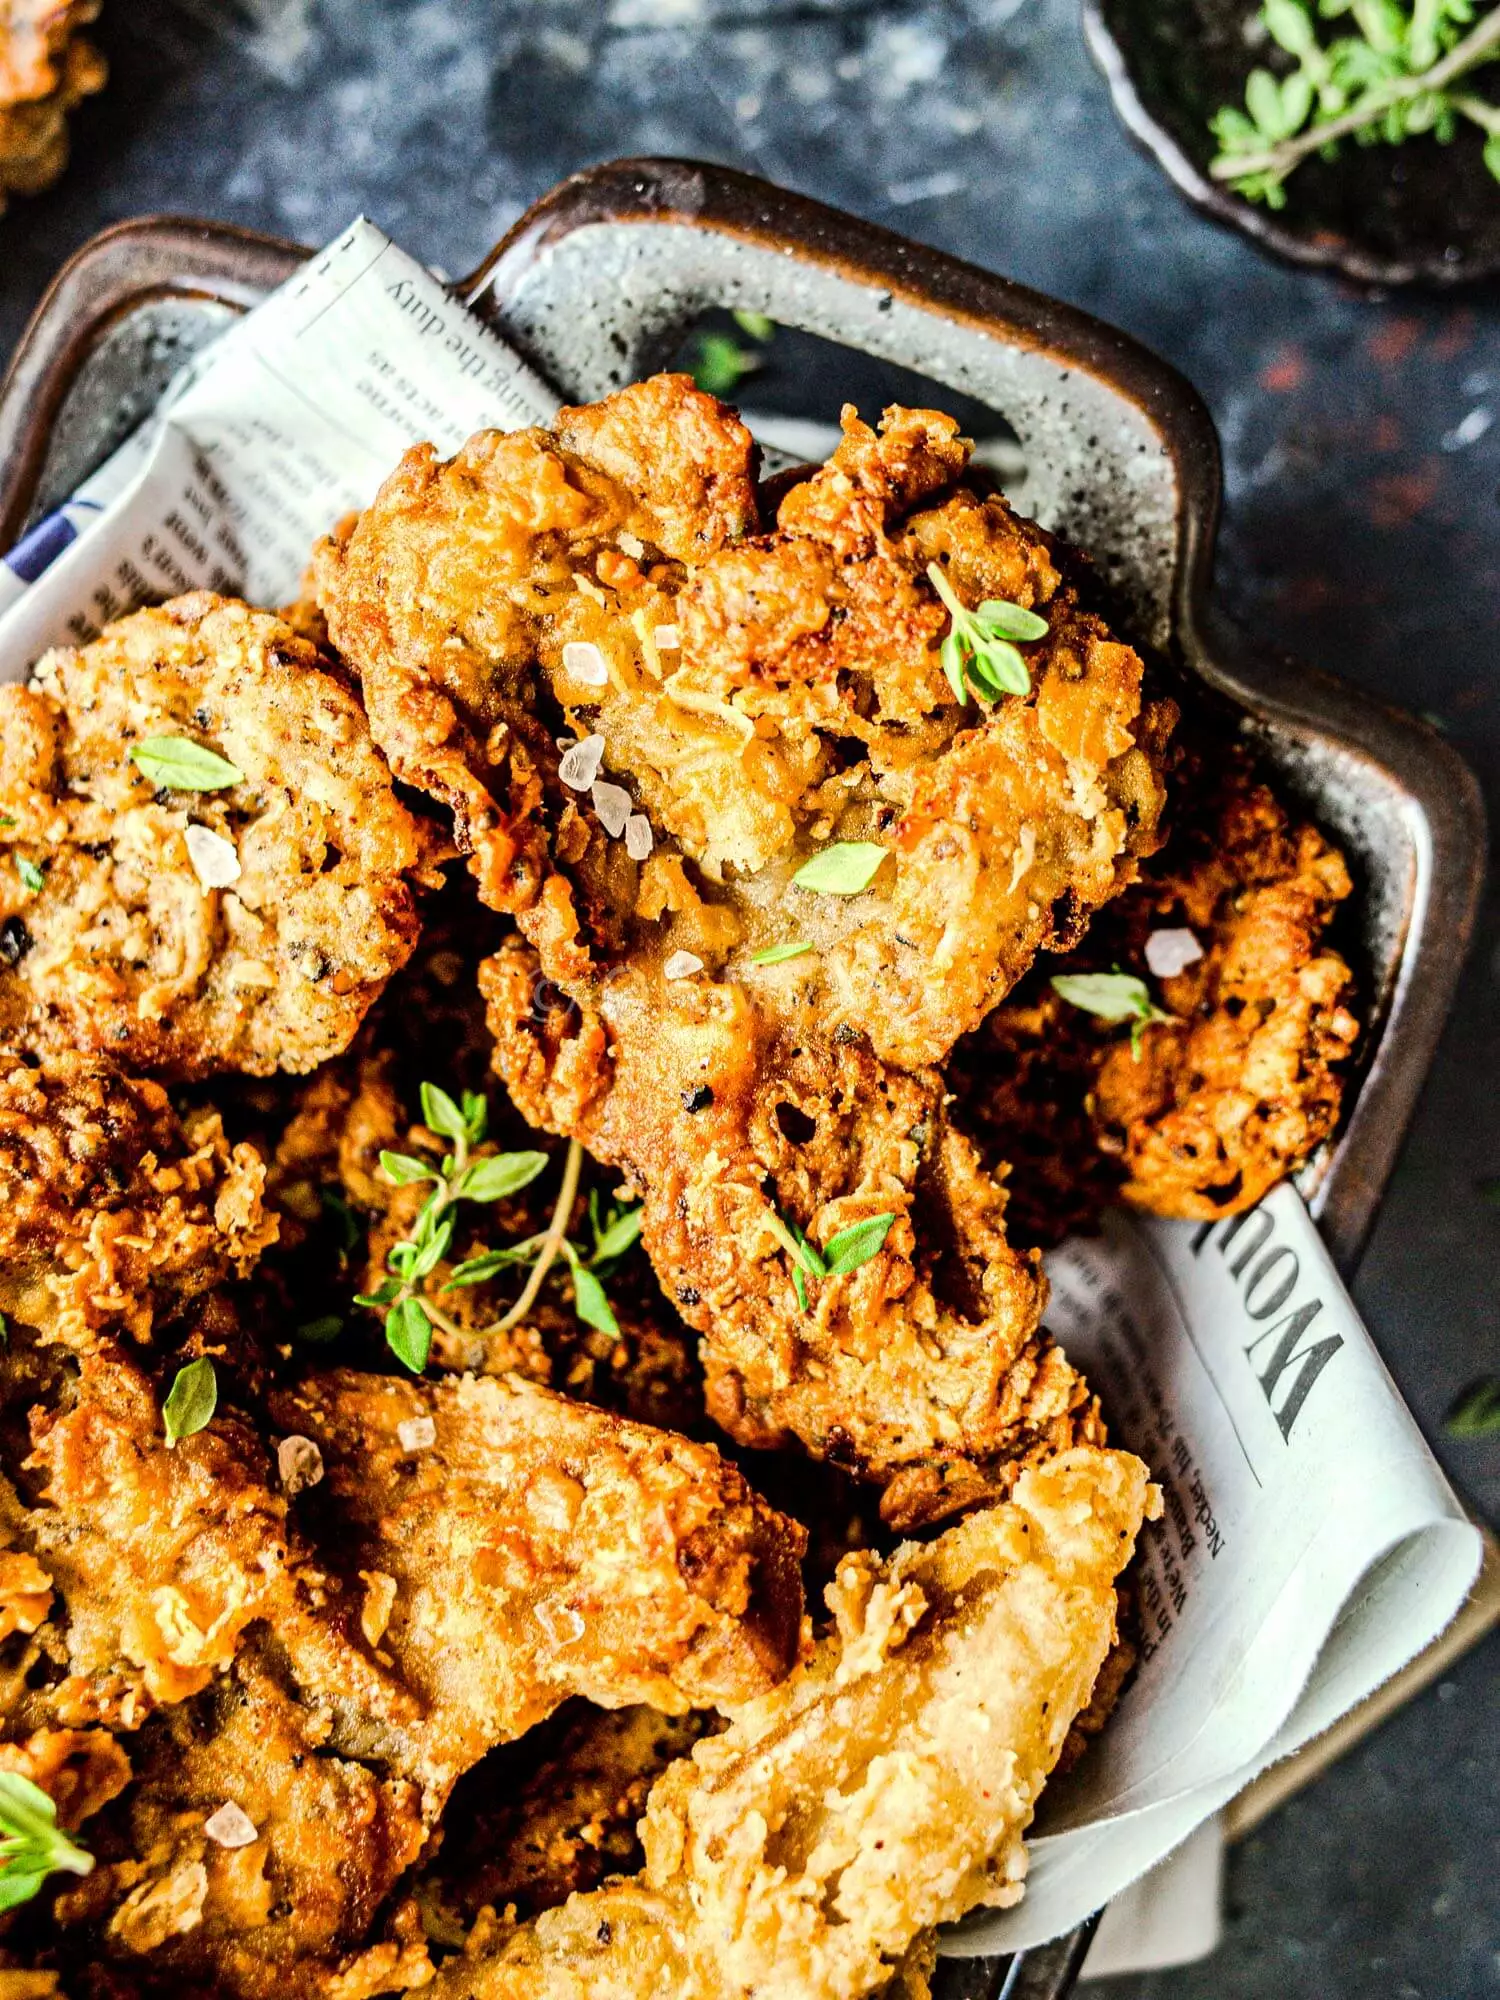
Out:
{"x": 32, "y": 1845}
{"x": 476, "y": 1112}
{"x": 4, "y": 1331}
{"x": 478, "y": 1270}
{"x": 32, "y": 876}
{"x": 408, "y": 1334}
{"x": 720, "y": 364}
{"x": 328, "y": 1326}
{"x": 799, "y": 1285}
{"x": 805, "y": 1256}
{"x": 759, "y": 326}
{"x": 177, "y": 764}
{"x": 977, "y": 652}
{"x": 778, "y": 954}
{"x": 432, "y": 1249}
{"x": 404, "y": 1168}
{"x": 618, "y": 1235}
{"x": 1492, "y": 154}
{"x": 504, "y": 1174}
{"x": 856, "y": 1245}
{"x": 191, "y": 1401}
{"x": 845, "y": 869}
{"x": 1476, "y": 1413}
{"x": 589, "y": 1302}
{"x": 1001, "y": 619}
{"x": 1113, "y": 996}
{"x": 381, "y": 1296}
{"x": 6, "y": 820}
{"x": 441, "y": 1114}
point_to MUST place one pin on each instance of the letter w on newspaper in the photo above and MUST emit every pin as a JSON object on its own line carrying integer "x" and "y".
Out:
{"x": 1309, "y": 1545}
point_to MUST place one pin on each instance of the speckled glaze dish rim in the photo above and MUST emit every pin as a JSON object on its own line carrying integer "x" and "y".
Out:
{"x": 1364, "y": 267}
{"x": 140, "y": 263}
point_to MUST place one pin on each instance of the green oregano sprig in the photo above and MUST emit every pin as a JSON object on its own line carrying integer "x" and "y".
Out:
{"x": 32, "y": 1844}
{"x": 410, "y": 1312}
{"x": 843, "y": 1252}
{"x": 979, "y": 651}
{"x": 1113, "y": 996}
{"x": 1395, "y": 73}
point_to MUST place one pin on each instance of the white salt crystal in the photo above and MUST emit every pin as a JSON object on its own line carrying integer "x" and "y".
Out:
{"x": 638, "y": 836}
{"x": 299, "y": 1462}
{"x": 216, "y": 862}
{"x": 230, "y": 1826}
{"x": 682, "y": 965}
{"x": 583, "y": 660}
{"x": 1171, "y": 952}
{"x": 612, "y": 803}
{"x": 580, "y": 765}
{"x": 666, "y": 637}
{"x": 416, "y": 1433}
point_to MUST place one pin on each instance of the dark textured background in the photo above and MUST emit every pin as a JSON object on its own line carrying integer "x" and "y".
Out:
{"x": 1362, "y": 473}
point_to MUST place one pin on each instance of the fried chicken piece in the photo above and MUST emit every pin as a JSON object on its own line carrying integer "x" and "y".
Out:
{"x": 47, "y": 68}
{"x": 925, "y": 1368}
{"x": 1234, "y": 1093}
{"x": 113, "y": 1211}
{"x": 510, "y": 1548}
{"x": 271, "y": 1899}
{"x": 883, "y": 1790}
{"x": 569, "y": 1822}
{"x": 797, "y": 700}
{"x": 244, "y": 925}
{"x": 529, "y": 583}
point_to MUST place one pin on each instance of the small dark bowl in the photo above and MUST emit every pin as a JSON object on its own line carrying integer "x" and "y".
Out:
{"x": 1419, "y": 213}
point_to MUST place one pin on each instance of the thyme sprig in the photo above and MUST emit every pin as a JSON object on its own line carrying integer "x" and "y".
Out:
{"x": 32, "y": 1844}
{"x": 979, "y": 650}
{"x": 1113, "y": 996}
{"x": 412, "y": 1312}
{"x": 843, "y": 1252}
{"x": 1394, "y": 76}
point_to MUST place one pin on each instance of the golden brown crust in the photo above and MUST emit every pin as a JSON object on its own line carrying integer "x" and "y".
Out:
{"x": 46, "y": 69}
{"x": 119, "y": 944}
{"x": 1233, "y": 1094}
{"x": 536, "y": 1549}
{"x": 114, "y": 1213}
{"x": 882, "y": 1790}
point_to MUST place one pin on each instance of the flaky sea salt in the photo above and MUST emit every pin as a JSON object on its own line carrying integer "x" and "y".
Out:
{"x": 216, "y": 862}
{"x": 612, "y": 803}
{"x": 580, "y": 765}
{"x": 666, "y": 637}
{"x": 638, "y": 837}
{"x": 682, "y": 965}
{"x": 299, "y": 1462}
{"x": 230, "y": 1826}
{"x": 416, "y": 1433}
{"x": 583, "y": 660}
{"x": 560, "y": 1622}
{"x": 1171, "y": 952}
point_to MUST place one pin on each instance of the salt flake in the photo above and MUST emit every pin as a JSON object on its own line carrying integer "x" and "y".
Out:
{"x": 612, "y": 803}
{"x": 299, "y": 1462}
{"x": 583, "y": 660}
{"x": 666, "y": 637}
{"x": 638, "y": 836}
{"x": 216, "y": 861}
{"x": 230, "y": 1826}
{"x": 682, "y": 965}
{"x": 416, "y": 1433}
{"x": 580, "y": 765}
{"x": 1171, "y": 952}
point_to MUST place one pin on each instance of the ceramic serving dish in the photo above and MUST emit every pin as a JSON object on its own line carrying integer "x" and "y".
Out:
{"x": 599, "y": 282}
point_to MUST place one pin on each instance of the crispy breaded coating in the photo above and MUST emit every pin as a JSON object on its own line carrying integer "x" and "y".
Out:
{"x": 1233, "y": 1094}
{"x": 274, "y": 1904}
{"x": 536, "y": 1548}
{"x": 568, "y": 1823}
{"x": 113, "y": 1211}
{"x": 924, "y": 1369}
{"x": 884, "y": 1789}
{"x": 750, "y": 699}
{"x": 797, "y": 700}
{"x": 47, "y": 68}
{"x": 184, "y": 931}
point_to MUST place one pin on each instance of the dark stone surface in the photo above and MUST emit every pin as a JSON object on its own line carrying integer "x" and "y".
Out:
{"x": 1361, "y": 532}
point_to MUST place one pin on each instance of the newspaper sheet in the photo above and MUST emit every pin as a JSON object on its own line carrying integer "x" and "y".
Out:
{"x": 1310, "y": 1545}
